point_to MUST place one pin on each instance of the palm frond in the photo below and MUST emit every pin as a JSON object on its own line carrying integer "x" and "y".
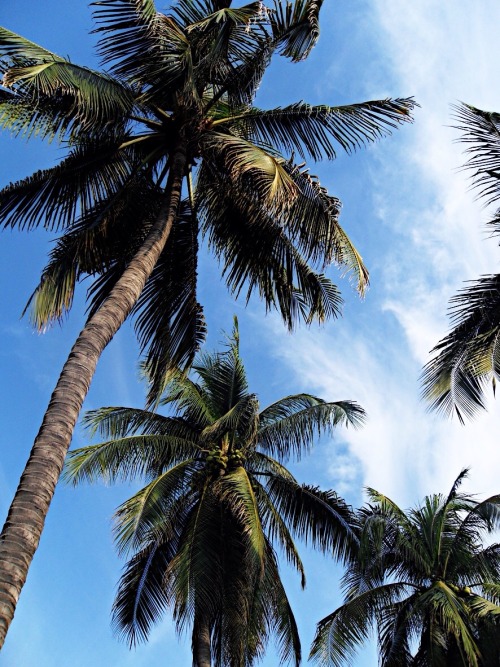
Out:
{"x": 480, "y": 130}
{"x": 312, "y": 131}
{"x": 93, "y": 173}
{"x": 295, "y": 27}
{"x": 143, "y": 46}
{"x": 170, "y": 325}
{"x": 258, "y": 254}
{"x": 289, "y": 426}
{"x": 339, "y": 635}
{"x": 118, "y": 422}
{"x": 101, "y": 244}
{"x": 469, "y": 356}
{"x": 246, "y": 162}
{"x": 236, "y": 492}
{"x": 143, "y": 514}
{"x": 125, "y": 459}
{"x": 276, "y": 529}
{"x": 321, "y": 517}
{"x": 140, "y": 600}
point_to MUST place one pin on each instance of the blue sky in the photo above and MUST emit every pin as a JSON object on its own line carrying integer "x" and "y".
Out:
{"x": 413, "y": 217}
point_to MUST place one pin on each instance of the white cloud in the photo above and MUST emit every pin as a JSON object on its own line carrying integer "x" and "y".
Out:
{"x": 432, "y": 239}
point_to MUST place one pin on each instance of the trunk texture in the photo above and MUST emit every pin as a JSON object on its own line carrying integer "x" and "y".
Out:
{"x": 202, "y": 653}
{"x": 24, "y": 524}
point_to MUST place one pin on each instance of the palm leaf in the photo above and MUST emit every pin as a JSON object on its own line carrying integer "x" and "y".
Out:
{"x": 339, "y": 635}
{"x": 258, "y": 254}
{"x": 236, "y": 492}
{"x": 140, "y": 600}
{"x": 143, "y": 46}
{"x": 274, "y": 527}
{"x": 310, "y": 130}
{"x": 144, "y": 513}
{"x": 128, "y": 458}
{"x": 320, "y": 517}
{"x": 469, "y": 356}
{"x": 289, "y": 426}
{"x": 480, "y": 129}
{"x": 93, "y": 173}
{"x": 295, "y": 27}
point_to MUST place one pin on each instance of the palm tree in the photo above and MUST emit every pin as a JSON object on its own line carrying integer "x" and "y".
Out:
{"x": 175, "y": 105}
{"x": 425, "y": 578}
{"x": 218, "y": 501}
{"x": 468, "y": 358}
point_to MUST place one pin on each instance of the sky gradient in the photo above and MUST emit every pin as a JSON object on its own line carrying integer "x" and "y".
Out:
{"x": 410, "y": 211}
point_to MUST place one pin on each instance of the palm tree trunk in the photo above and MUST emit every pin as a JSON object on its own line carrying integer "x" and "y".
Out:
{"x": 24, "y": 524}
{"x": 202, "y": 654}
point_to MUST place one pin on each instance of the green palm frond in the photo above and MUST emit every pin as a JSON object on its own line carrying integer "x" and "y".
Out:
{"x": 262, "y": 169}
{"x": 312, "y": 223}
{"x": 100, "y": 243}
{"x": 118, "y": 422}
{"x": 468, "y": 358}
{"x": 289, "y": 426}
{"x": 321, "y": 517}
{"x": 144, "y": 46}
{"x": 296, "y": 27}
{"x": 276, "y": 528}
{"x": 451, "y": 613}
{"x": 312, "y": 131}
{"x": 144, "y": 513}
{"x": 480, "y": 130}
{"x": 170, "y": 325}
{"x": 282, "y": 621}
{"x": 224, "y": 377}
{"x": 128, "y": 458}
{"x": 193, "y": 577}
{"x": 339, "y": 635}
{"x": 236, "y": 492}
{"x": 261, "y": 464}
{"x": 54, "y": 94}
{"x": 258, "y": 255}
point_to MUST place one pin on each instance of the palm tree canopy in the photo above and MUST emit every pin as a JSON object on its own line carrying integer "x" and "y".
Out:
{"x": 184, "y": 81}
{"x": 218, "y": 505}
{"x": 426, "y": 578}
{"x": 468, "y": 358}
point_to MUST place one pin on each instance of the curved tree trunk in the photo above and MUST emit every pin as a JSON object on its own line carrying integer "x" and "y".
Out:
{"x": 202, "y": 654}
{"x": 24, "y": 524}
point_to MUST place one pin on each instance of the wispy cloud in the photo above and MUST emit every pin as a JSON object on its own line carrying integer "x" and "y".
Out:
{"x": 431, "y": 240}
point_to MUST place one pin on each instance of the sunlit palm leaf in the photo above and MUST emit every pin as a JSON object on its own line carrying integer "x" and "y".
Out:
{"x": 276, "y": 528}
{"x": 290, "y": 426}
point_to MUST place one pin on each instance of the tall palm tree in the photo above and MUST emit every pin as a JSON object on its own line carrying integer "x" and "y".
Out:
{"x": 218, "y": 501}
{"x": 164, "y": 144}
{"x": 426, "y": 578}
{"x": 468, "y": 358}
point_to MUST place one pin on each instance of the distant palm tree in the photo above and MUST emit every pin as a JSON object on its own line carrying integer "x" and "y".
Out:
{"x": 468, "y": 358}
{"x": 163, "y": 145}
{"x": 426, "y": 579}
{"x": 218, "y": 501}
